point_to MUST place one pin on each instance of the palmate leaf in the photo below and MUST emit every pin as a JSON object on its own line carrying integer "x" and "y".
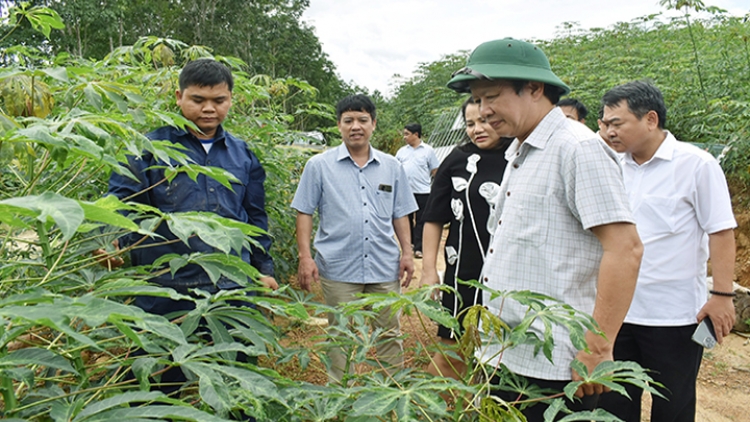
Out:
{"x": 613, "y": 374}
{"x": 557, "y": 406}
{"x": 153, "y": 413}
{"x": 65, "y": 212}
{"x": 193, "y": 170}
{"x": 419, "y": 299}
{"x": 96, "y": 213}
{"x": 94, "y": 311}
{"x": 215, "y": 393}
{"x": 208, "y": 229}
{"x": 64, "y": 410}
{"x": 216, "y": 265}
{"x": 410, "y": 399}
{"x": 118, "y": 401}
{"x": 36, "y": 356}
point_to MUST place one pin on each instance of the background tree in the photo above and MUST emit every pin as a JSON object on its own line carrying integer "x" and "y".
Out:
{"x": 268, "y": 35}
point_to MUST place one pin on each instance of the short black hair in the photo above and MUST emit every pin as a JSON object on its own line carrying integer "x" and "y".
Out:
{"x": 572, "y": 102}
{"x": 355, "y": 102}
{"x": 414, "y": 128}
{"x": 641, "y": 96}
{"x": 552, "y": 92}
{"x": 205, "y": 72}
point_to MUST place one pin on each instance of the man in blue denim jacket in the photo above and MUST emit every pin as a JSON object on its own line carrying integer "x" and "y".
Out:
{"x": 204, "y": 97}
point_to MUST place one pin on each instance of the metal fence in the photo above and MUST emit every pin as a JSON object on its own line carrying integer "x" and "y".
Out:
{"x": 448, "y": 132}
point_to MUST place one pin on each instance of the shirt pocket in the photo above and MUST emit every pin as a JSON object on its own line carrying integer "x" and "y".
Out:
{"x": 384, "y": 204}
{"x": 177, "y": 195}
{"x": 656, "y": 216}
{"x": 526, "y": 219}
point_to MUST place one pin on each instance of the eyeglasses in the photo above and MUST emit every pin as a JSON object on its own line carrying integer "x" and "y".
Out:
{"x": 471, "y": 72}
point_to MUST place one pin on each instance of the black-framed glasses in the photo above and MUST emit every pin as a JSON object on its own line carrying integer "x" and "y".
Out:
{"x": 471, "y": 72}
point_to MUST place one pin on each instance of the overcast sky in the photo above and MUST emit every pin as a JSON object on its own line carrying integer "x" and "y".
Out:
{"x": 371, "y": 40}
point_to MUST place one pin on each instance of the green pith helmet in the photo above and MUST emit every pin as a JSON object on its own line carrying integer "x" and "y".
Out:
{"x": 506, "y": 59}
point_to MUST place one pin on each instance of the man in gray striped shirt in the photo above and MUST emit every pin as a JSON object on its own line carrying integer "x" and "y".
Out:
{"x": 363, "y": 198}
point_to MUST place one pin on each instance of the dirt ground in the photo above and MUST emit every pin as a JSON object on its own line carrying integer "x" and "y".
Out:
{"x": 723, "y": 386}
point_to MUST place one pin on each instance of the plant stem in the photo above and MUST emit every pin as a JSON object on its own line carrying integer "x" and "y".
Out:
{"x": 41, "y": 231}
{"x": 697, "y": 58}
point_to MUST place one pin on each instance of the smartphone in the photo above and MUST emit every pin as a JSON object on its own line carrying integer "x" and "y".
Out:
{"x": 704, "y": 334}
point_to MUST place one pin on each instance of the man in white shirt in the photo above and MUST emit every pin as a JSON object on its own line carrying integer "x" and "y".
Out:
{"x": 420, "y": 164}
{"x": 680, "y": 201}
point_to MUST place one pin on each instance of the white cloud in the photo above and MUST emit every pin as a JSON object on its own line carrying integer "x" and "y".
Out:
{"x": 369, "y": 41}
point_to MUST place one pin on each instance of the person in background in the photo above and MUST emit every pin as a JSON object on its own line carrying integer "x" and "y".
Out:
{"x": 563, "y": 225}
{"x": 683, "y": 212}
{"x": 462, "y": 196}
{"x": 602, "y": 132}
{"x": 363, "y": 199}
{"x": 573, "y": 109}
{"x": 420, "y": 163}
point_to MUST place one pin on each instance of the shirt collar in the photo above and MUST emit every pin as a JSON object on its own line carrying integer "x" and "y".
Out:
{"x": 342, "y": 152}
{"x": 664, "y": 152}
{"x": 541, "y": 134}
{"x": 220, "y": 134}
{"x": 545, "y": 128}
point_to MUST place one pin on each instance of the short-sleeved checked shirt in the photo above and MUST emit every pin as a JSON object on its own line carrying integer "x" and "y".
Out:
{"x": 559, "y": 183}
{"x": 355, "y": 239}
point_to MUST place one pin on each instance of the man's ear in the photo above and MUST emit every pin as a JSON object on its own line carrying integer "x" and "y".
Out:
{"x": 536, "y": 89}
{"x": 178, "y": 95}
{"x": 652, "y": 119}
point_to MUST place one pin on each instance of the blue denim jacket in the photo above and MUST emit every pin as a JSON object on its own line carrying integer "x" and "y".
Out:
{"x": 245, "y": 204}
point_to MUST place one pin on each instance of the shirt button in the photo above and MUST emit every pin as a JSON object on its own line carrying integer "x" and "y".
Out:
{"x": 367, "y": 238}
{"x": 500, "y": 222}
{"x": 518, "y": 153}
{"x": 485, "y": 279}
{"x": 507, "y": 193}
{"x": 365, "y": 203}
{"x": 492, "y": 250}
{"x": 515, "y": 166}
{"x": 367, "y": 221}
{"x": 363, "y": 187}
{"x": 365, "y": 255}
{"x": 211, "y": 189}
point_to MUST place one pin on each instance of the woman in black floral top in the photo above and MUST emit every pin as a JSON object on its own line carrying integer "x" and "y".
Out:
{"x": 463, "y": 195}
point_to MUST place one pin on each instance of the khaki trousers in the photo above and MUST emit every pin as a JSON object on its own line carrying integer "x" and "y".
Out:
{"x": 389, "y": 351}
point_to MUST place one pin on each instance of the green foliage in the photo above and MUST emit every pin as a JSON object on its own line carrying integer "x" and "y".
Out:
{"x": 70, "y": 337}
{"x": 268, "y": 36}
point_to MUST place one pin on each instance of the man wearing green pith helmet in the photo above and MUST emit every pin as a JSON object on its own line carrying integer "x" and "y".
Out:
{"x": 563, "y": 225}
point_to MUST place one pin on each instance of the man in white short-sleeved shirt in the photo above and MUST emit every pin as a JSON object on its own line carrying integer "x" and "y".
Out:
{"x": 564, "y": 228}
{"x": 683, "y": 212}
{"x": 420, "y": 164}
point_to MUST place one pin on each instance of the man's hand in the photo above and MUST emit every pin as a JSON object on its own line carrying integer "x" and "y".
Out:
{"x": 721, "y": 311}
{"x": 108, "y": 260}
{"x": 601, "y": 351}
{"x": 406, "y": 266}
{"x": 307, "y": 272}
{"x": 430, "y": 277}
{"x": 269, "y": 282}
